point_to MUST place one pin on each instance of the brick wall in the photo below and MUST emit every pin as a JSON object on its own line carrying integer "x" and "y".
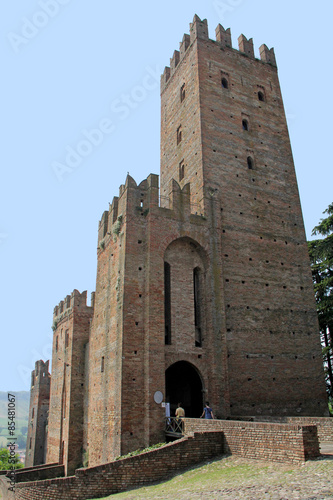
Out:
{"x": 103, "y": 409}
{"x": 123, "y": 474}
{"x": 263, "y": 441}
{"x": 128, "y": 323}
{"x": 324, "y": 424}
{"x": 37, "y": 474}
{"x": 209, "y": 438}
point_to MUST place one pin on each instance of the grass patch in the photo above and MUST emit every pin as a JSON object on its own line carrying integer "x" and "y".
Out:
{"x": 138, "y": 452}
{"x": 213, "y": 475}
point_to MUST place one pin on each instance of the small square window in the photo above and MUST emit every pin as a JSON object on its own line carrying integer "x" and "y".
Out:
{"x": 250, "y": 162}
{"x": 261, "y": 96}
{"x": 224, "y": 83}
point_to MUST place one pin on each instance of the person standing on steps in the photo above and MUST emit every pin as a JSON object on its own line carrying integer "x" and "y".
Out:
{"x": 207, "y": 412}
{"x": 180, "y": 412}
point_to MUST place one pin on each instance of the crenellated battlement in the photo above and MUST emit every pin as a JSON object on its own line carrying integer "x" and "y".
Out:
{"x": 246, "y": 46}
{"x": 267, "y": 55}
{"x": 139, "y": 199}
{"x": 76, "y": 300}
{"x": 184, "y": 45}
{"x": 41, "y": 371}
{"x": 199, "y": 29}
{"x": 223, "y": 36}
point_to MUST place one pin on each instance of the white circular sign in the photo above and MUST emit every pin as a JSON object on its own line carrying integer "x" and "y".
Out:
{"x": 158, "y": 397}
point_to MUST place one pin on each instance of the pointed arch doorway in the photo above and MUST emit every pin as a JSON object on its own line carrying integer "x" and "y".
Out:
{"x": 183, "y": 384}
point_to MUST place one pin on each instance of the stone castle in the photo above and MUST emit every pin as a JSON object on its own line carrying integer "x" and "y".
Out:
{"x": 203, "y": 286}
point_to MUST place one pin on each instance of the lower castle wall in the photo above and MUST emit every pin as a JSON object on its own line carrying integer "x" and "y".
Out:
{"x": 46, "y": 472}
{"x": 290, "y": 443}
{"x": 118, "y": 476}
{"x": 263, "y": 441}
{"x": 324, "y": 424}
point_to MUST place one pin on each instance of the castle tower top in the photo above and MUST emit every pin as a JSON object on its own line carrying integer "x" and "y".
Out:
{"x": 75, "y": 302}
{"x": 40, "y": 373}
{"x": 199, "y": 30}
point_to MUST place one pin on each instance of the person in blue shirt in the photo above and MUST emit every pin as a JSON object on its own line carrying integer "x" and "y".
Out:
{"x": 207, "y": 412}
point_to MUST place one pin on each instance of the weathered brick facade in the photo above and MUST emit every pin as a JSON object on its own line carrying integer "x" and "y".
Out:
{"x": 38, "y": 415}
{"x": 71, "y": 324}
{"x": 203, "y": 286}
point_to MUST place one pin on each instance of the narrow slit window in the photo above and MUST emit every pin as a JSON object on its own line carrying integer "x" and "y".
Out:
{"x": 66, "y": 339}
{"x": 182, "y": 93}
{"x": 245, "y": 125}
{"x": 197, "y": 306}
{"x": 102, "y": 364}
{"x": 181, "y": 170}
{"x": 57, "y": 342}
{"x": 179, "y": 134}
{"x": 167, "y": 302}
{"x": 63, "y": 410}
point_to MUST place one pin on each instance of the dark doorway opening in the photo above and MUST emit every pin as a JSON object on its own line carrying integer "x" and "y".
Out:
{"x": 183, "y": 385}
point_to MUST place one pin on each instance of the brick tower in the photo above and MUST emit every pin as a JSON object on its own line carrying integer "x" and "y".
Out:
{"x": 224, "y": 131}
{"x": 66, "y": 426}
{"x": 204, "y": 289}
{"x": 38, "y": 415}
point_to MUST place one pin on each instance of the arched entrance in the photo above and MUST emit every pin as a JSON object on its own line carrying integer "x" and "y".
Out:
{"x": 183, "y": 384}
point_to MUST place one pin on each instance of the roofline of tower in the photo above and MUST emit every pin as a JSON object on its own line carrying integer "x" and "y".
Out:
{"x": 199, "y": 29}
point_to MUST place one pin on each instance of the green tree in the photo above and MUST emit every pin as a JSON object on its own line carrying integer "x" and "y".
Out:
{"x": 321, "y": 256}
{"x": 7, "y": 462}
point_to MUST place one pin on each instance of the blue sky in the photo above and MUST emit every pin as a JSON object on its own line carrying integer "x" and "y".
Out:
{"x": 69, "y": 67}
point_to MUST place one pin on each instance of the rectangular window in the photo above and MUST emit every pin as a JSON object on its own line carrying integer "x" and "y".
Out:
{"x": 181, "y": 170}
{"x": 167, "y": 302}
{"x": 197, "y": 306}
{"x": 30, "y": 443}
{"x": 66, "y": 339}
{"x": 179, "y": 134}
{"x": 56, "y": 346}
